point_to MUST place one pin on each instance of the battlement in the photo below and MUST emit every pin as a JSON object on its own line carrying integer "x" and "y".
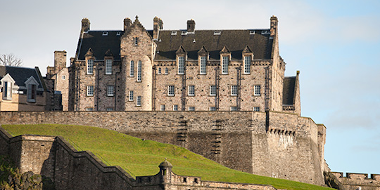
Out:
{"x": 357, "y": 176}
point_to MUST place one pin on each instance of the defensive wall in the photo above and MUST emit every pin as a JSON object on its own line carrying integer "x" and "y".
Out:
{"x": 56, "y": 159}
{"x": 355, "y": 181}
{"x": 273, "y": 144}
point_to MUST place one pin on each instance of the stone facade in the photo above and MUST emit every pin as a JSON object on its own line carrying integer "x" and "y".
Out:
{"x": 56, "y": 159}
{"x": 357, "y": 181}
{"x": 274, "y": 144}
{"x": 170, "y": 70}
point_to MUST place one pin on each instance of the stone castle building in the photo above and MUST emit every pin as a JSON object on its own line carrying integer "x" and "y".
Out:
{"x": 135, "y": 69}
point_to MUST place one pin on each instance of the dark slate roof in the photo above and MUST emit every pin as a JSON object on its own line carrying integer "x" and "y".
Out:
{"x": 288, "y": 90}
{"x": 20, "y": 74}
{"x": 235, "y": 40}
{"x": 100, "y": 44}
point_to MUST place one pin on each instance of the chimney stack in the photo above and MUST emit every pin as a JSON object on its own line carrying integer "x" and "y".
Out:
{"x": 273, "y": 25}
{"x": 127, "y": 23}
{"x": 190, "y": 25}
{"x": 157, "y": 26}
{"x": 85, "y": 25}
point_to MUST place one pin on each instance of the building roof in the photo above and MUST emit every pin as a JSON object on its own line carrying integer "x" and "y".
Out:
{"x": 288, "y": 90}
{"x": 21, "y": 74}
{"x": 258, "y": 41}
{"x": 214, "y": 41}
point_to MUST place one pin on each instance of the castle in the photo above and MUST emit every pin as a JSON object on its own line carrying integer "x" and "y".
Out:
{"x": 176, "y": 70}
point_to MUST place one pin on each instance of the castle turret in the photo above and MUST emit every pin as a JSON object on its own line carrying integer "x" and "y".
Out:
{"x": 190, "y": 25}
{"x": 165, "y": 171}
{"x": 127, "y": 23}
{"x": 85, "y": 25}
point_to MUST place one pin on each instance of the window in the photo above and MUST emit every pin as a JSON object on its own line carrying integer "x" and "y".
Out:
{"x": 233, "y": 108}
{"x": 132, "y": 69}
{"x": 203, "y": 65}
{"x": 170, "y": 90}
{"x": 136, "y": 40}
{"x": 90, "y": 90}
{"x": 110, "y": 90}
{"x": 212, "y": 90}
{"x": 225, "y": 65}
{"x": 166, "y": 71}
{"x": 7, "y": 90}
{"x": 130, "y": 95}
{"x": 181, "y": 65}
{"x": 256, "y": 90}
{"x": 247, "y": 64}
{"x": 212, "y": 108}
{"x": 109, "y": 109}
{"x": 89, "y": 109}
{"x": 234, "y": 90}
{"x": 256, "y": 108}
{"x": 63, "y": 77}
{"x": 159, "y": 70}
{"x": 175, "y": 107}
{"x": 32, "y": 91}
{"x": 138, "y": 102}
{"x": 162, "y": 108}
{"x": 108, "y": 66}
{"x": 105, "y": 34}
{"x": 191, "y": 90}
{"x": 191, "y": 108}
{"x": 139, "y": 71}
{"x": 90, "y": 66}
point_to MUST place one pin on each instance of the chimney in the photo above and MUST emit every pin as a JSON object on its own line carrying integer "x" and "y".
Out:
{"x": 273, "y": 25}
{"x": 156, "y": 27}
{"x": 190, "y": 25}
{"x": 127, "y": 23}
{"x": 59, "y": 60}
{"x": 85, "y": 25}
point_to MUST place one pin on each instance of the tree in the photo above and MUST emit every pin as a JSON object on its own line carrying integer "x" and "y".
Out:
{"x": 10, "y": 60}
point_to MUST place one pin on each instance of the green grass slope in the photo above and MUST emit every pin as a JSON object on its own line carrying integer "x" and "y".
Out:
{"x": 142, "y": 157}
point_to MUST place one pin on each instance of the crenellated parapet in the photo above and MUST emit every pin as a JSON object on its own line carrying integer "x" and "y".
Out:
{"x": 356, "y": 180}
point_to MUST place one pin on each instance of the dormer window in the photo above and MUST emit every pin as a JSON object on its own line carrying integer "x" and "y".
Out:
{"x": 225, "y": 60}
{"x": 247, "y": 64}
{"x": 203, "y": 65}
{"x": 7, "y": 90}
{"x": 181, "y": 65}
{"x": 32, "y": 91}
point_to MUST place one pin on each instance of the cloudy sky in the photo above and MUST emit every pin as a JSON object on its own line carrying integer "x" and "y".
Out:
{"x": 334, "y": 44}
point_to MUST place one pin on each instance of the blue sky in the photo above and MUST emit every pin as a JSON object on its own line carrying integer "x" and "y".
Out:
{"x": 334, "y": 43}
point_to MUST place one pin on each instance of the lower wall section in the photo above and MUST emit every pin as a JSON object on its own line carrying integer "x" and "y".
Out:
{"x": 273, "y": 144}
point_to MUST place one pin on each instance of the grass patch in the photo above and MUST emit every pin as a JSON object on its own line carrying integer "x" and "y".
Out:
{"x": 142, "y": 157}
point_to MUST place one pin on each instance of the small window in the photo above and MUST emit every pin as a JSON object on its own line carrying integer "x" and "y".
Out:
{"x": 233, "y": 108}
{"x": 174, "y": 33}
{"x": 181, "y": 65}
{"x": 212, "y": 90}
{"x": 191, "y": 108}
{"x": 175, "y": 107}
{"x": 234, "y": 90}
{"x": 166, "y": 71}
{"x": 90, "y": 90}
{"x": 191, "y": 90}
{"x": 184, "y": 179}
{"x": 203, "y": 65}
{"x": 90, "y": 66}
{"x": 89, "y": 109}
{"x": 256, "y": 108}
{"x": 184, "y": 33}
{"x": 136, "y": 41}
{"x": 159, "y": 70}
{"x": 171, "y": 90}
{"x": 225, "y": 65}
{"x": 162, "y": 108}
{"x": 132, "y": 69}
{"x": 138, "y": 102}
{"x": 130, "y": 96}
{"x": 139, "y": 71}
{"x": 7, "y": 90}
{"x": 63, "y": 77}
{"x": 212, "y": 108}
{"x": 118, "y": 33}
{"x": 217, "y": 33}
{"x": 252, "y": 32}
{"x": 109, "y": 109}
{"x": 247, "y": 64}
{"x": 105, "y": 34}
{"x": 108, "y": 66}
{"x": 110, "y": 90}
{"x": 256, "y": 90}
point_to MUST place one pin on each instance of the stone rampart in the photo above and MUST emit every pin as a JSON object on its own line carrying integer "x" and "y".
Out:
{"x": 354, "y": 181}
{"x": 273, "y": 144}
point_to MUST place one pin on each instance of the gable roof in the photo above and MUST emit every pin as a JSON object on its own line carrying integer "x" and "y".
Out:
{"x": 20, "y": 74}
{"x": 259, "y": 42}
{"x": 288, "y": 90}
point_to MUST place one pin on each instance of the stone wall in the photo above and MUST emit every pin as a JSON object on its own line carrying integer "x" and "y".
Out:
{"x": 272, "y": 144}
{"x": 355, "y": 181}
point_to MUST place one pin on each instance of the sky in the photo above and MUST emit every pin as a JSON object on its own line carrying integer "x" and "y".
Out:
{"x": 334, "y": 43}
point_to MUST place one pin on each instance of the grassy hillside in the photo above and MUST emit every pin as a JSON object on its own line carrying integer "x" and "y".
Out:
{"x": 142, "y": 157}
